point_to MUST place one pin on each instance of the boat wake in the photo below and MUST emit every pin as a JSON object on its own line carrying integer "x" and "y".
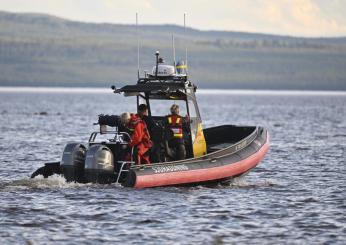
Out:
{"x": 242, "y": 182}
{"x": 53, "y": 182}
{"x": 59, "y": 182}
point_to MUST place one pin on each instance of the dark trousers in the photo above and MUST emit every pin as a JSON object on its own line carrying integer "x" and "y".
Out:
{"x": 155, "y": 153}
{"x": 178, "y": 147}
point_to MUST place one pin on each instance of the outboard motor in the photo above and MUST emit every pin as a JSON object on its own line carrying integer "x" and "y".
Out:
{"x": 99, "y": 165}
{"x": 72, "y": 162}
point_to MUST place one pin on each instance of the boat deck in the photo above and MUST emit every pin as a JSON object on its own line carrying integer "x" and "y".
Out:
{"x": 224, "y": 136}
{"x": 220, "y": 146}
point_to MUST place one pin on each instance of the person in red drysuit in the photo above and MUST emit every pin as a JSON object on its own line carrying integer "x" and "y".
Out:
{"x": 140, "y": 138}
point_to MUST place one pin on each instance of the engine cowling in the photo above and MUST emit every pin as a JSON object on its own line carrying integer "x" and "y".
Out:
{"x": 99, "y": 165}
{"x": 72, "y": 162}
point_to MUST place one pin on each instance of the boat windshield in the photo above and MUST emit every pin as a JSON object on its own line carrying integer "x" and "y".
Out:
{"x": 162, "y": 107}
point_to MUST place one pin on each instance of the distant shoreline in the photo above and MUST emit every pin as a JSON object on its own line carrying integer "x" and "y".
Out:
{"x": 45, "y": 51}
{"x": 107, "y": 87}
{"x": 18, "y": 89}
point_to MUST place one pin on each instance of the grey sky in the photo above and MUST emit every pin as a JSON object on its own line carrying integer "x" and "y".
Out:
{"x": 285, "y": 17}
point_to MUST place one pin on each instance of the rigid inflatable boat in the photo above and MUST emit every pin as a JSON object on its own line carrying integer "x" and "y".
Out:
{"x": 213, "y": 155}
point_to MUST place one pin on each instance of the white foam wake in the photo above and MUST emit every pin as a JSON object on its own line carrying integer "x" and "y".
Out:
{"x": 53, "y": 182}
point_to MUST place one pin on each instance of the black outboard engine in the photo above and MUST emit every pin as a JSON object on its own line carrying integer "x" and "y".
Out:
{"x": 99, "y": 165}
{"x": 72, "y": 162}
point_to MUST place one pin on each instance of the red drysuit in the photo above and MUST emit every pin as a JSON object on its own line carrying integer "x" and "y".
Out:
{"x": 140, "y": 138}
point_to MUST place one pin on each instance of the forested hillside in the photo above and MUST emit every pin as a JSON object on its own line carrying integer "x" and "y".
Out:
{"x": 44, "y": 50}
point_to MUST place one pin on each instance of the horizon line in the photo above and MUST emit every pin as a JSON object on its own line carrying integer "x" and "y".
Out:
{"x": 43, "y": 89}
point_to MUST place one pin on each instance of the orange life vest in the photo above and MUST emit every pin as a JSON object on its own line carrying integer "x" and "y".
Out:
{"x": 175, "y": 123}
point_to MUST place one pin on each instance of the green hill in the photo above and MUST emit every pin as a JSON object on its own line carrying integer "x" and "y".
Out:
{"x": 38, "y": 49}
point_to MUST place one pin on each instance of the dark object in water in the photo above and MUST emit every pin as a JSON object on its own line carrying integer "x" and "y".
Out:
{"x": 48, "y": 169}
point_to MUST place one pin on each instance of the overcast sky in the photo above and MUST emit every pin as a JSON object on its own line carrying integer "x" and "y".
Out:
{"x": 285, "y": 17}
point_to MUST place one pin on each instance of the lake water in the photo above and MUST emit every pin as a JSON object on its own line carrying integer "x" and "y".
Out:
{"x": 297, "y": 195}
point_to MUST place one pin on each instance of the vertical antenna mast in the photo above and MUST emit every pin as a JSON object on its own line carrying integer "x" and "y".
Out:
{"x": 173, "y": 47}
{"x": 137, "y": 45}
{"x": 185, "y": 42}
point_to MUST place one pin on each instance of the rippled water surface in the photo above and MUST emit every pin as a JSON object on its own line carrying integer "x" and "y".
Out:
{"x": 297, "y": 195}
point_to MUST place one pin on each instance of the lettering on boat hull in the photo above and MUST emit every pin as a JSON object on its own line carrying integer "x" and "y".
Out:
{"x": 167, "y": 169}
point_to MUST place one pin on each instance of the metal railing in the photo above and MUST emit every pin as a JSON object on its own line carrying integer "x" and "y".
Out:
{"x": 119, "y": 137}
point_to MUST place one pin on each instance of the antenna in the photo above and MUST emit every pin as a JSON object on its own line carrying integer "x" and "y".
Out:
{"x": 157, "y": 63}
{"x": 137, "y": 45}
{"x": 173, "y": 47}
{"x": 185, "y": 42}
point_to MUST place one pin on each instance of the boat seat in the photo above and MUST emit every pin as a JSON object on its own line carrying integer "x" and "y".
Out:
{"x": 169, "y": 152}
